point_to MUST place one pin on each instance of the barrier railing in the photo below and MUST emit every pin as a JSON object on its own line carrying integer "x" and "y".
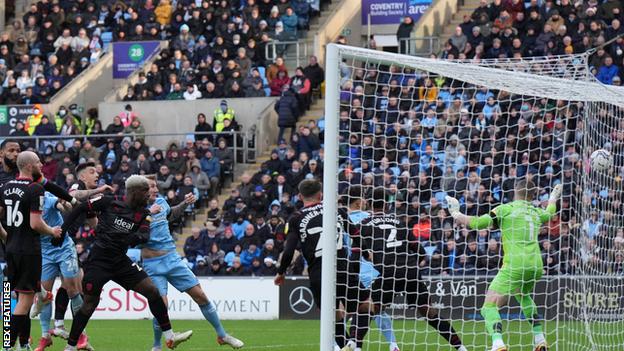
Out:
{"x": 419, "y": 46}
{"x": 277, "y": 48}
{"x": 242, "y": 141}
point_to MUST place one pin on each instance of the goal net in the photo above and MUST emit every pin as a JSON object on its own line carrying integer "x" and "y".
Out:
{"x": 423, "y": 129}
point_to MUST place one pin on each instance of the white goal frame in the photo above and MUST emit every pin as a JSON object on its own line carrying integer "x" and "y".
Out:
{"x": 582, "y": 87}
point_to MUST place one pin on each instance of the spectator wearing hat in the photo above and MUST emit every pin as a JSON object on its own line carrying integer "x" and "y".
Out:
{"x": 228, "y": 241}
{"x": 258, "y": 202}
{"x": 268, "y": 268}
{"x": 211, "y": 166}
{"x": 202, "y": 268}
{"x": 241, "y": 223}
{"x": 210, "y": 234}
{"x": 222, "y": 113}
{"x": 287, "y": 109}
{"x": 237, "y": 269}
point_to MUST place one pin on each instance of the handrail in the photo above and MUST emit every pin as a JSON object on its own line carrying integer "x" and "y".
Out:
{"x": 420, "y": 46}
{"x": 271, "y": 51}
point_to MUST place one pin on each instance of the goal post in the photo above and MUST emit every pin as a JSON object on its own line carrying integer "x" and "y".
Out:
{"x": 425, "y": 128}
{"x": 328, "y": 274}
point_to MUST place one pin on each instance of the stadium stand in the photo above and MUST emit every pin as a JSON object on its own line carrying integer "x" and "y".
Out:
{"x": 218, "y": 52}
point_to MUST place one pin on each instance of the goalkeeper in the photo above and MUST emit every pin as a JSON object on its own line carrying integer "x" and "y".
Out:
{"x": 519, "y": 222}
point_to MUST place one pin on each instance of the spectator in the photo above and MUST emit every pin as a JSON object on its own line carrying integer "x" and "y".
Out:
{"x": 249, "y": 254}
{"x": 222, "y": 113}
{"x": 194, "y": 245}
{"x": 301, "y": 85}
{"x": 288, "y": 111}
{"x": 202, "y": 126}
{"x": 211, "y": 166}
{"x": 228, "y": 241}
{"x": 458, "y": 39}
{"x": 237, "y": 269}
{"x": 404, "y": 33}
{"x": 608, "y": 71}
{"x": 136, "y": 129}
{"x": 278, "y": 83}
{"x": 314, "y": 72}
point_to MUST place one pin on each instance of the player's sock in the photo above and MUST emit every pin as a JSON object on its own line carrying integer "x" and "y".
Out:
{"x": 76, "y": 303}
{"x": 446, "y": 330}
{"x": 530, "y": 313}
{"x": 493, "y": 322}
{"x": 59, "y": 323}
{"x": 60, "y": 303}
{"x": 159, "y": 310}
{"x": 25, "y": 333}
{"x": 78, "y": 325}
{"x": 168, "y": 334}
{"x": 44, "y": 320}
{"x": 360, "y": 328}
{"x": 157, "y": 333}
{"x": 17, "y": 325}
{"x": 384, "y": 322}
{"x": 210, "y": 313}
{"x": 341, "y": 333}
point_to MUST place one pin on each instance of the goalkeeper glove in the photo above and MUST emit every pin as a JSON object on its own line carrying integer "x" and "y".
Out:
{"x": 453, "y": 206}
{"x": 555, "y": 194}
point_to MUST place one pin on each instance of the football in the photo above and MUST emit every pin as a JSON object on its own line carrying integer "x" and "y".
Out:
{"x": 600, "y": 160}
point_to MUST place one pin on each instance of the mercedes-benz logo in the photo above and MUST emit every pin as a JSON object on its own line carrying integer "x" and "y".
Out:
{"x": 301, "y": 300}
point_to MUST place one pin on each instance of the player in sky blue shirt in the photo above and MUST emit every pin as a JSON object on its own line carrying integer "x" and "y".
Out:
{"x": 57, "y": 261}
{"x": 164, "y": 265}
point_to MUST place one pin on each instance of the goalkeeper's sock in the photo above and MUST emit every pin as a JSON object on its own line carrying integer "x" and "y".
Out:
{"x": 384, "y": 322}
{"x": 210, "y": 313}
{"x": 44, "y": 320}
{"x": 157, "y": 333}
{"x": 446, "y": 330}
{"x": 493, "y": 322}
{"x": 529, "y": 309}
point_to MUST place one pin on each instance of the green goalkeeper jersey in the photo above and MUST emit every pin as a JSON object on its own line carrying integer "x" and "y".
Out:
{"x": 519, "y": 223}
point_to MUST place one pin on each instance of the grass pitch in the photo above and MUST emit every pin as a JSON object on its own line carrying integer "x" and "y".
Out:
{"x": 298, "y": 335}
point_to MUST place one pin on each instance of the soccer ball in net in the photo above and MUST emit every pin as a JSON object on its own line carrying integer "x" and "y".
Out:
{"x": 600, "y": 160}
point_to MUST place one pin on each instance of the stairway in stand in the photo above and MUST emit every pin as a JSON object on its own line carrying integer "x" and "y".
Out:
{"x": 316, "y": 112}
{"x": 467, "y": 8}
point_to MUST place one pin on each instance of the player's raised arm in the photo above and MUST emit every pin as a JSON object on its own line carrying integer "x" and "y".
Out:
{"x": 473, "y": 222}
{"x": 551, "y": 209}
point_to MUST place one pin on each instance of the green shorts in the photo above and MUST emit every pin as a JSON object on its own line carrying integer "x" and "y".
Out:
{"x": 515, "y": 281}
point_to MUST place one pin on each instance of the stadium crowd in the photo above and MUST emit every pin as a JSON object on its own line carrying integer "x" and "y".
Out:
{"x": 515, "y": 28}
{"x": 55, "y": 41}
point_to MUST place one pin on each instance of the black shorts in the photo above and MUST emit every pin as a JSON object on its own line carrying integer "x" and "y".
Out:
{"x": 405, "y": 281}
{"x": 349, "y": 291}
{"x": 24, "y": 272}
{"x": 101, "y": 270}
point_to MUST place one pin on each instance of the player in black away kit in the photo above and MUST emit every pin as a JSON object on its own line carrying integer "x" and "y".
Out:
{"x": 82, "y": 190}
{"x": 387, "y": 243}
{"x": 121, "y": 224}
{"x": 304, "y": 230}
{"x": 21, "y": 201}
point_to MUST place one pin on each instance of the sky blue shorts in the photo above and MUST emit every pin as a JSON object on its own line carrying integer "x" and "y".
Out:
{"x": 62, "y": 263}
{"x": 170, "y": 268}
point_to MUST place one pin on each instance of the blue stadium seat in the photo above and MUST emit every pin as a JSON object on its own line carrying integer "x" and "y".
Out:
{"x": 440, "y": 196}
